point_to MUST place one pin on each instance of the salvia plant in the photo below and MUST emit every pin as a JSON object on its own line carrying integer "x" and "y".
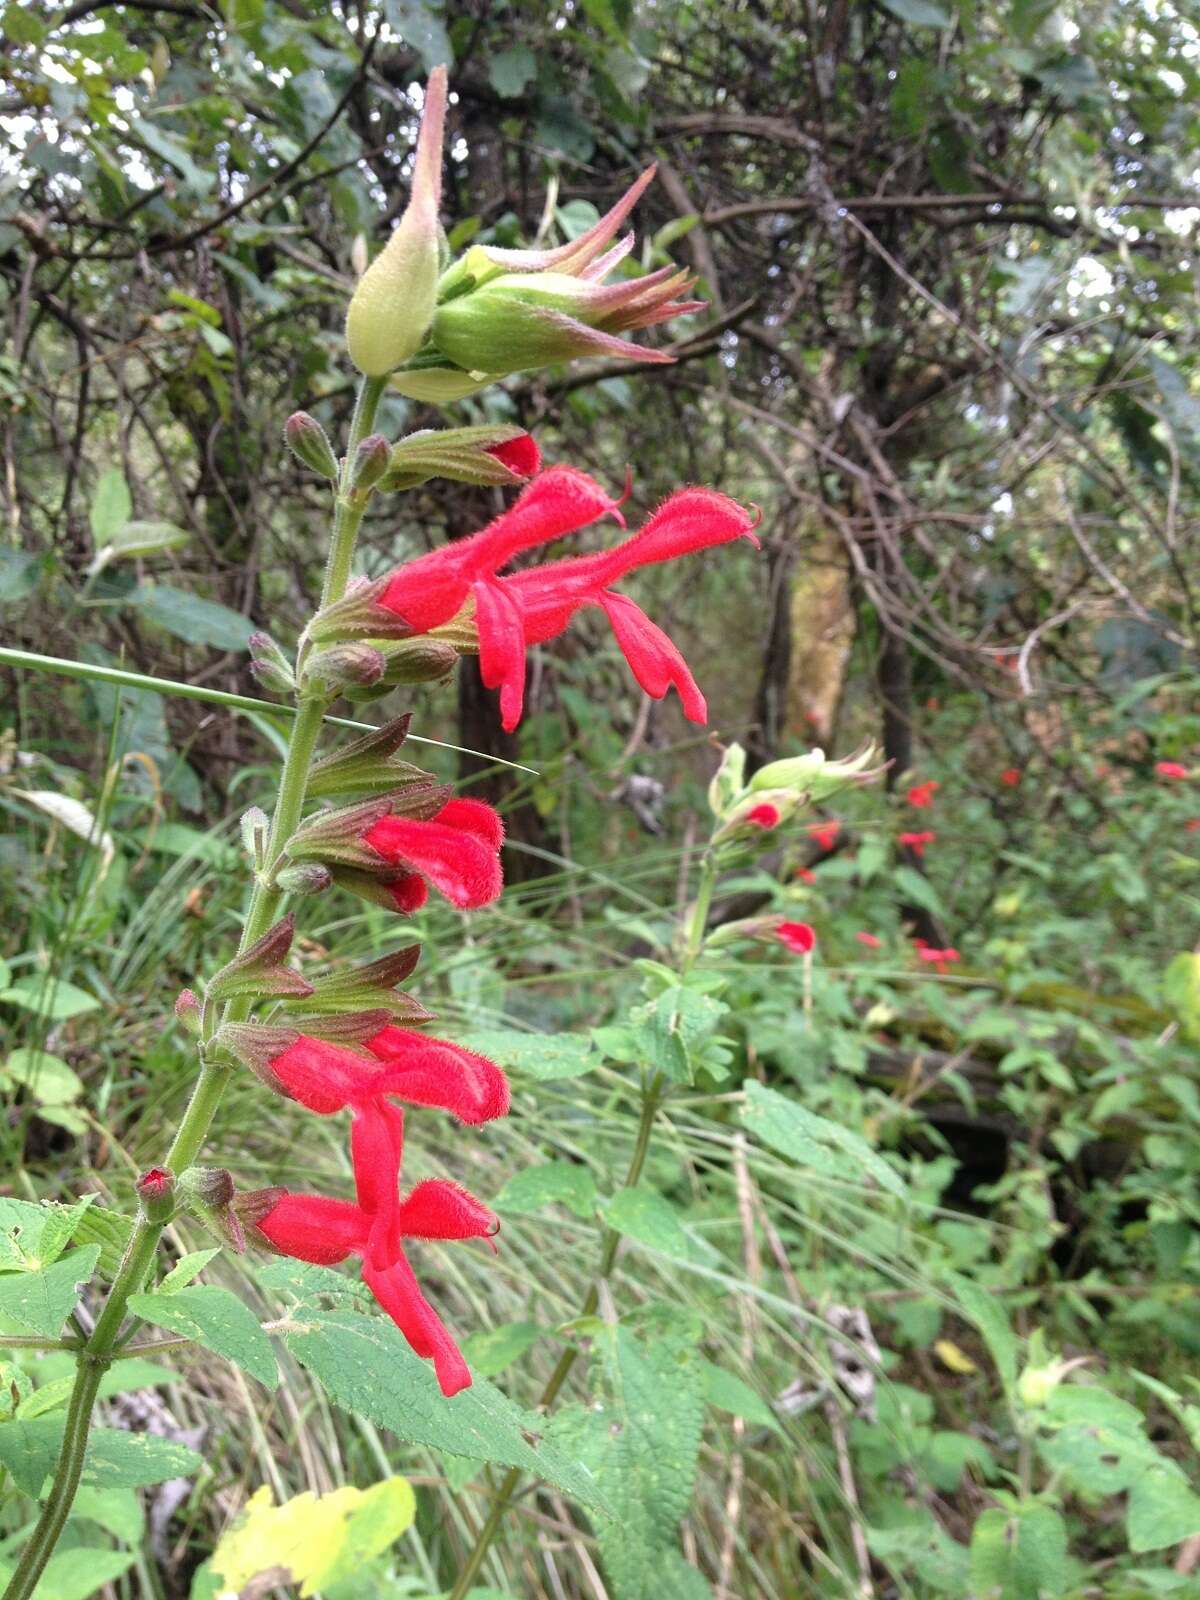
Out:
{"x": 352, "y": 1044}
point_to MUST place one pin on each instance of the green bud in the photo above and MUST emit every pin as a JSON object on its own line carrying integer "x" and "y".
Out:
{"x": 371, "y": 461}
{"x": 393, "y": 305}
{"x": 156, "y": 1194}
{"x": 353, "y": 665}
{"x": 270, "y": 665}
{"x": 309, "y": 443}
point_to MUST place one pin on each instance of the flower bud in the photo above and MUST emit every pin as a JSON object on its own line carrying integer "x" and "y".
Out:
{"x": 211, "y": 1194}
{"x": 373, "y": 985}
{"x": 813, "y": 776}
{"x": 485, "y": 456}
{"x": 371, "y": 461}
{"x": 354, "y": 664}
{"x": 261, "y": 971}
{"x": 309, "y": 443}
{"x": 156, "y": 1194}
{"x": 270, "y": 665}
{"x": 420, "y": 660}
{"x": 439, "y": 386}
{"x": 187, "y": 1009}
{"x": 304, "y": 877}
{"x": 393, "y": 305}
{"x": 256, "y": 829}
{"x": 728, "y": 780}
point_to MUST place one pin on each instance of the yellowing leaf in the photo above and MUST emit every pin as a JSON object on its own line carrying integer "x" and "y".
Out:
{"x": 952, "y": 1357}
{"x": 317, "y": 1541}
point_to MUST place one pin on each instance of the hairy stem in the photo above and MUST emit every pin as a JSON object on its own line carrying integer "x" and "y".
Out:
{"x": 651, "y": 1100}
{"x": 97, "y": 1354}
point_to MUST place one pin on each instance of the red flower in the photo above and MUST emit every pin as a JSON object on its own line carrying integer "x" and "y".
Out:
{"x": 921, "y": 794}
{"x": 870, "y": 940}
{"x": 916, "y": 842}
{"x": 1011, "y": 776}
{"x": 940, "y": 960}
{"x": 1193, "y": 826}
{"x": 798, "y": 936}
{"x": 326, "y": 1231}
{"x": 825, "y": 833}
{"x": 458, "y": 851}
{"x": 763, "y": 816}
{"x": 432, "y": 589}
{"x": 806, "y": 875}
{"x": 520, "y": 455}
{"x": 434, "y": 1072}
{"x": 1171, "y": 769}
{"x": 537, "y": 605}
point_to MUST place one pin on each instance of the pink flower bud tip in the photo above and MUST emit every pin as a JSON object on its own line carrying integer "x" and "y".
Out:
{"x": 799, "y": 937}
{"x": 1173, "y": 770}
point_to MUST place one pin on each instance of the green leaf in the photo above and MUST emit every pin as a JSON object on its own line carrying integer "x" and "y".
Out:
{"x": 920, "y": 13}
{"x": 41, "y": 1301}
{"x": 510, "y": 70}
{"x": 192, "y": 619}
{"x": 1181, "y": 990}
{"x": 145, "y": 539}
{"x": 534, "y": 1055}
{"x": 107, "y": 1229}
{"x": 367, "y": 1367}
{"x": 75, "y": 1574}
{"x": 123, "y": 1377}
{"x": 32, "y": 1236}
{"x": 989, "y": 1317}
{"x": 117, "y": 1511}
{"x": 1019, "y": 1554}
{"x": 556, "y": 1183}
{"x": 641, "y": 1213}
{"x": 112, "y": 506}
{"x": 490, "y": 1351}
{"x": 175, "y": 152}
{"x": 114, "y": 1458}
{"x": 216, "y": 1319}
{"x": 1162, "y": 1510}
{"x": 729, "y": 1393}
{"x": 641, "y": 1436}
{"x": 915, "y": 888}
{"x": 672, "y": 1028}
{"x": 48, "y": 1078}
{"x": 421, "y": 25}
{"x": 55, "y": 999}
{"x": 185, "y": 1269}
{"x": 18, "y": 575}
{"x": 828, "y": 1148}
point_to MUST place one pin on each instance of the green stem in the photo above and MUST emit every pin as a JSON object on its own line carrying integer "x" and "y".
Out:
{"x": 193, "y": 1130}
{"x": 651, "y": 1100}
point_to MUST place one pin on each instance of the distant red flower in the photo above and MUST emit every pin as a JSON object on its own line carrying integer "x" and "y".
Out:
{"x": 916, "y": 842}
{"x": 806, "y": 875}
{"x": 1171, "y": 769}
{"x": 325, "y": 1231}
{"x": 825, "y": 833}
{"x": 870, "y": 940}
{"x": 939, "y": 960}
{"x": 921, "y": 794}
{"x": 1011, "y": 776}
{"x": 799, "y": 937}
{"x": 1193, "y": 826}
{"x": 763, "y": 816}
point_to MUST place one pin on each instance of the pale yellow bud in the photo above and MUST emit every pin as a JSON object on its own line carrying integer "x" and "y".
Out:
{"x": 393, "y": 305}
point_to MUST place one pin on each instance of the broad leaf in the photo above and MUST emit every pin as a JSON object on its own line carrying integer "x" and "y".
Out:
{"x": 641, "y": 1213}
{"x": 40, "y": 1302}
{"x": 556, "y": 1183}
{"x": 114, "y": 1458}
{"x": 366, "y": 1366}
{"x": 826, "y": 1147}
{"x": 216, "y": 1319}
{"x": 533, "y": 1055}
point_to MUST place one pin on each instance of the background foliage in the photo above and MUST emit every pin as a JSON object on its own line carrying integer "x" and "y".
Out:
{"x": 949, "y": 249}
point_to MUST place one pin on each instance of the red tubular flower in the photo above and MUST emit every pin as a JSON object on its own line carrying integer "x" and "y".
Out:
{"x": 870, "y": 940}
{"x": 532, "y": 607}
{"x": 1174, "y": 770}
{"x": 323, "y": 1077}
{"x": 921, "y": 794}
{"x": 1192, "y": 826}
{"x": 762, "y": 816}
{"x": 457, "y": 851}
{"x": 520, "y": 455}
{"x": 825, "y": 833}
{"x": 806, "y": 875}
{"x": 326, "y": 1231}
{"x": 916, "y": 842}
{"x": 797, "y": 936}
{"x": 434, "y": 1072}
{"x": 939, "y": 960}
{"x": 1011, "y": 776}
{"x": 432, "y": 589}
